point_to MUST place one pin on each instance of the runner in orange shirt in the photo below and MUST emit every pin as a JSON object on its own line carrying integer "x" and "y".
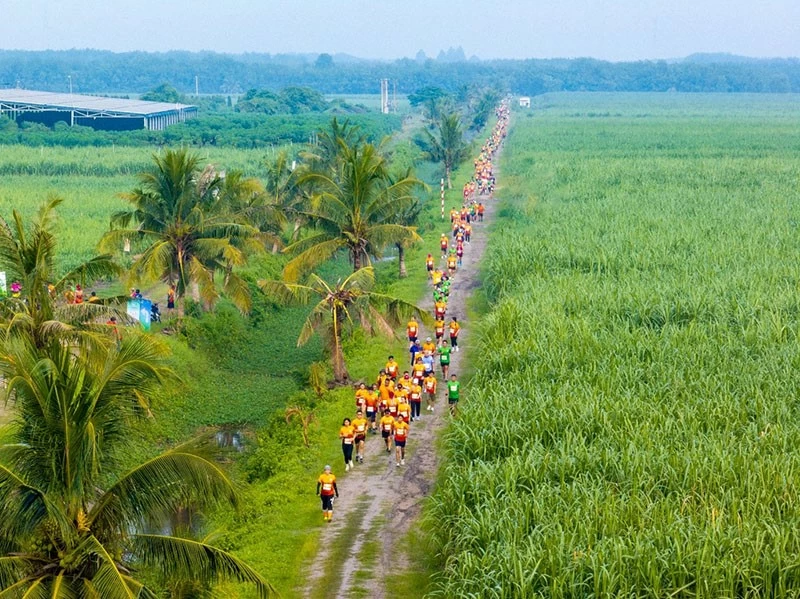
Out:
{"x": 400, "y": 431}
{"x": 327, "y": 490}
{"x": 347, "y": 434}
{"x": 429, "y": 384}
{"x": 360, "y": 426}
{"x": 387, "y": 424}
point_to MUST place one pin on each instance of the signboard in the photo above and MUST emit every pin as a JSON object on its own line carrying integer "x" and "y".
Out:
{"x": 139, "y": 310}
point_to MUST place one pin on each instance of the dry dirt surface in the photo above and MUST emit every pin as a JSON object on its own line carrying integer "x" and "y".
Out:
{"x": 378, "y": 500}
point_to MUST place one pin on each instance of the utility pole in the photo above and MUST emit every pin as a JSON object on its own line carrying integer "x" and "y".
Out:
{"x": 196, "y": 85}
{"x": 70, "y": 84}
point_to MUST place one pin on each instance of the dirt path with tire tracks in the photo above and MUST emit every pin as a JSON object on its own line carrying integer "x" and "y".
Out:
{"x": 379, "y": 502}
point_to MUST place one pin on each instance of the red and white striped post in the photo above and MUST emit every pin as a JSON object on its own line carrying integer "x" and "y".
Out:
{"x": 442, "y": 196}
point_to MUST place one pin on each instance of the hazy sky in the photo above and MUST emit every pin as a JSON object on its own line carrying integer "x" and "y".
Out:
{"x": 607, "y": 29}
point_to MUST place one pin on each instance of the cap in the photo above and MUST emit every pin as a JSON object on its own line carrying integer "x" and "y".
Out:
{"x": 429, "y": 338}
{"x": 327, "y": 467}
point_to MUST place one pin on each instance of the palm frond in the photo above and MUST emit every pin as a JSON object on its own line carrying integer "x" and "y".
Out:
{"x": 160, "y": 486}
{"x": 193, "y": 560}
{"x": 310, "y": 258}
{"x": 287, "y": 293}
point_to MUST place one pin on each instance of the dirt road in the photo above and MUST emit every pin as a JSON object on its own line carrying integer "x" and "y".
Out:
{"x": 380, "y": 502}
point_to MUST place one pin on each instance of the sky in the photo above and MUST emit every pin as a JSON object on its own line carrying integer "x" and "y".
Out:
{"x": 614, "y": 30}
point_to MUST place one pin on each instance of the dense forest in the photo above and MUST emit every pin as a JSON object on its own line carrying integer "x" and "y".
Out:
{"x": 95, "y": 71}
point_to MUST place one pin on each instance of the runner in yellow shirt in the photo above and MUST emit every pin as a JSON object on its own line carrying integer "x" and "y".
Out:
{"x": 360, "y": 425}
{"x": 387, "y": 425}
{"x": 429, "y": 384}
{"x": 347, "y": 434}
{"x": 392, "y": 368}
{"x": 327, "y": 489}
{"x": 400, "y": 431}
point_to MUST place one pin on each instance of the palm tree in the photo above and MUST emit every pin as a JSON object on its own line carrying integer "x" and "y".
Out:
{"x": 28, "y": 255}
{"x": 190, "y": 234}
{"x": 408, "y": 217}
{"x": 254, "y": 204}
{"x": 327, "y": 151}
{"x": 347, "y": 303}
{"x": 447, "y": 146}
{"x": 72, "y": 523}
{"x": 355, "y": 209}
{"x": 284, "y": 197}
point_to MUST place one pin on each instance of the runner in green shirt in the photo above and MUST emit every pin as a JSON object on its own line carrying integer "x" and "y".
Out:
{"x": 444, "y": 357}
{"x": 453, "y": 389}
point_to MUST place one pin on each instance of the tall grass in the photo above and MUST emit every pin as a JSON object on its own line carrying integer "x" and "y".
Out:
{"x": 632, "y": 427}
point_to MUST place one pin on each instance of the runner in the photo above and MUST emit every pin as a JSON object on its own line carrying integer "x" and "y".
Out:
{"x": 453, "y": 391}
{"x": 413, "y": 349}
{"x": 400, "y": 431}
{"x": 373, "y": 398}
{"x": 361, "y": 397}
{"x": 454, "y": 330}
{"x": 327, "y": 490}
{"x": 347, "y": 434}
{"x": 443, "y": 245}
{"x": 360, "y": 426}
{"x": 438, "y": 328}
{"x": 428, "y": 346}
{"x": 412, "y": 329}
{"x": 387, "y": 424}
{"x": 444, "y": 358}
{"x": 429, "y": 383}
{"x": 429, "y": 264}
{"x": 392, "y": 368}
{"x": 452, "y": 263}
{"x": 418, "y": 372}
{"x": 404, "y": 409}
{"x": 415, "y": 400}
{"x": 439, "y": 309}
{"x": 428, "y": 361}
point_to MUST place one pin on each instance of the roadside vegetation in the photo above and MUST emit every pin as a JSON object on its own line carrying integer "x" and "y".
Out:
{"x": 228, "y": 370}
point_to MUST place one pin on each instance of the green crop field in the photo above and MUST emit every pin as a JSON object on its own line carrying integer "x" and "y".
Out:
{"x": 632, "y": 429}
{"x": 89, "y": 180}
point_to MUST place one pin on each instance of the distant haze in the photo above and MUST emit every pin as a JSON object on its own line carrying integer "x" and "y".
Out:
{"x": 606, "y": 29}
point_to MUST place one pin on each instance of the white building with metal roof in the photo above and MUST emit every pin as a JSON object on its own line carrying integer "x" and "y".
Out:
{"x": 92, "y": 111}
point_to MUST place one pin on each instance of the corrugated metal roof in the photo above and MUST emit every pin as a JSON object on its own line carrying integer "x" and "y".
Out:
{"x": 79, "y": 102}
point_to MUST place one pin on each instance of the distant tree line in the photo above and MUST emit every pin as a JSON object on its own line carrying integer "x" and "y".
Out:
{"x": 238, "y": 130}
{"x": 95, "y": 71}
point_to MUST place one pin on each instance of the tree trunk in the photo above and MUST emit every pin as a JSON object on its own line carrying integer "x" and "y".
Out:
{"x": 337, "y": 357}
{"x": 356, "y": 260}
{"x": 401, "y": 260}
{"x": 447, "y": 174}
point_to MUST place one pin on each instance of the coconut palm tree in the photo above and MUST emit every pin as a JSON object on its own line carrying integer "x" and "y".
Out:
{"x": 28, "y": 256}
{"x": 354, "y": 208}
{"x": 327, "y": 151}
{"x": 72, "y": 522}
{"x": 181, "y": 215}
{"x": 346, "y": 303}
{"x": 408, "y": 217}
{"x": 447, "y": 146}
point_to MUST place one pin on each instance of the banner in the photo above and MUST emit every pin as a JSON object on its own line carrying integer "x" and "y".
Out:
{"x": 139, "y": 310}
